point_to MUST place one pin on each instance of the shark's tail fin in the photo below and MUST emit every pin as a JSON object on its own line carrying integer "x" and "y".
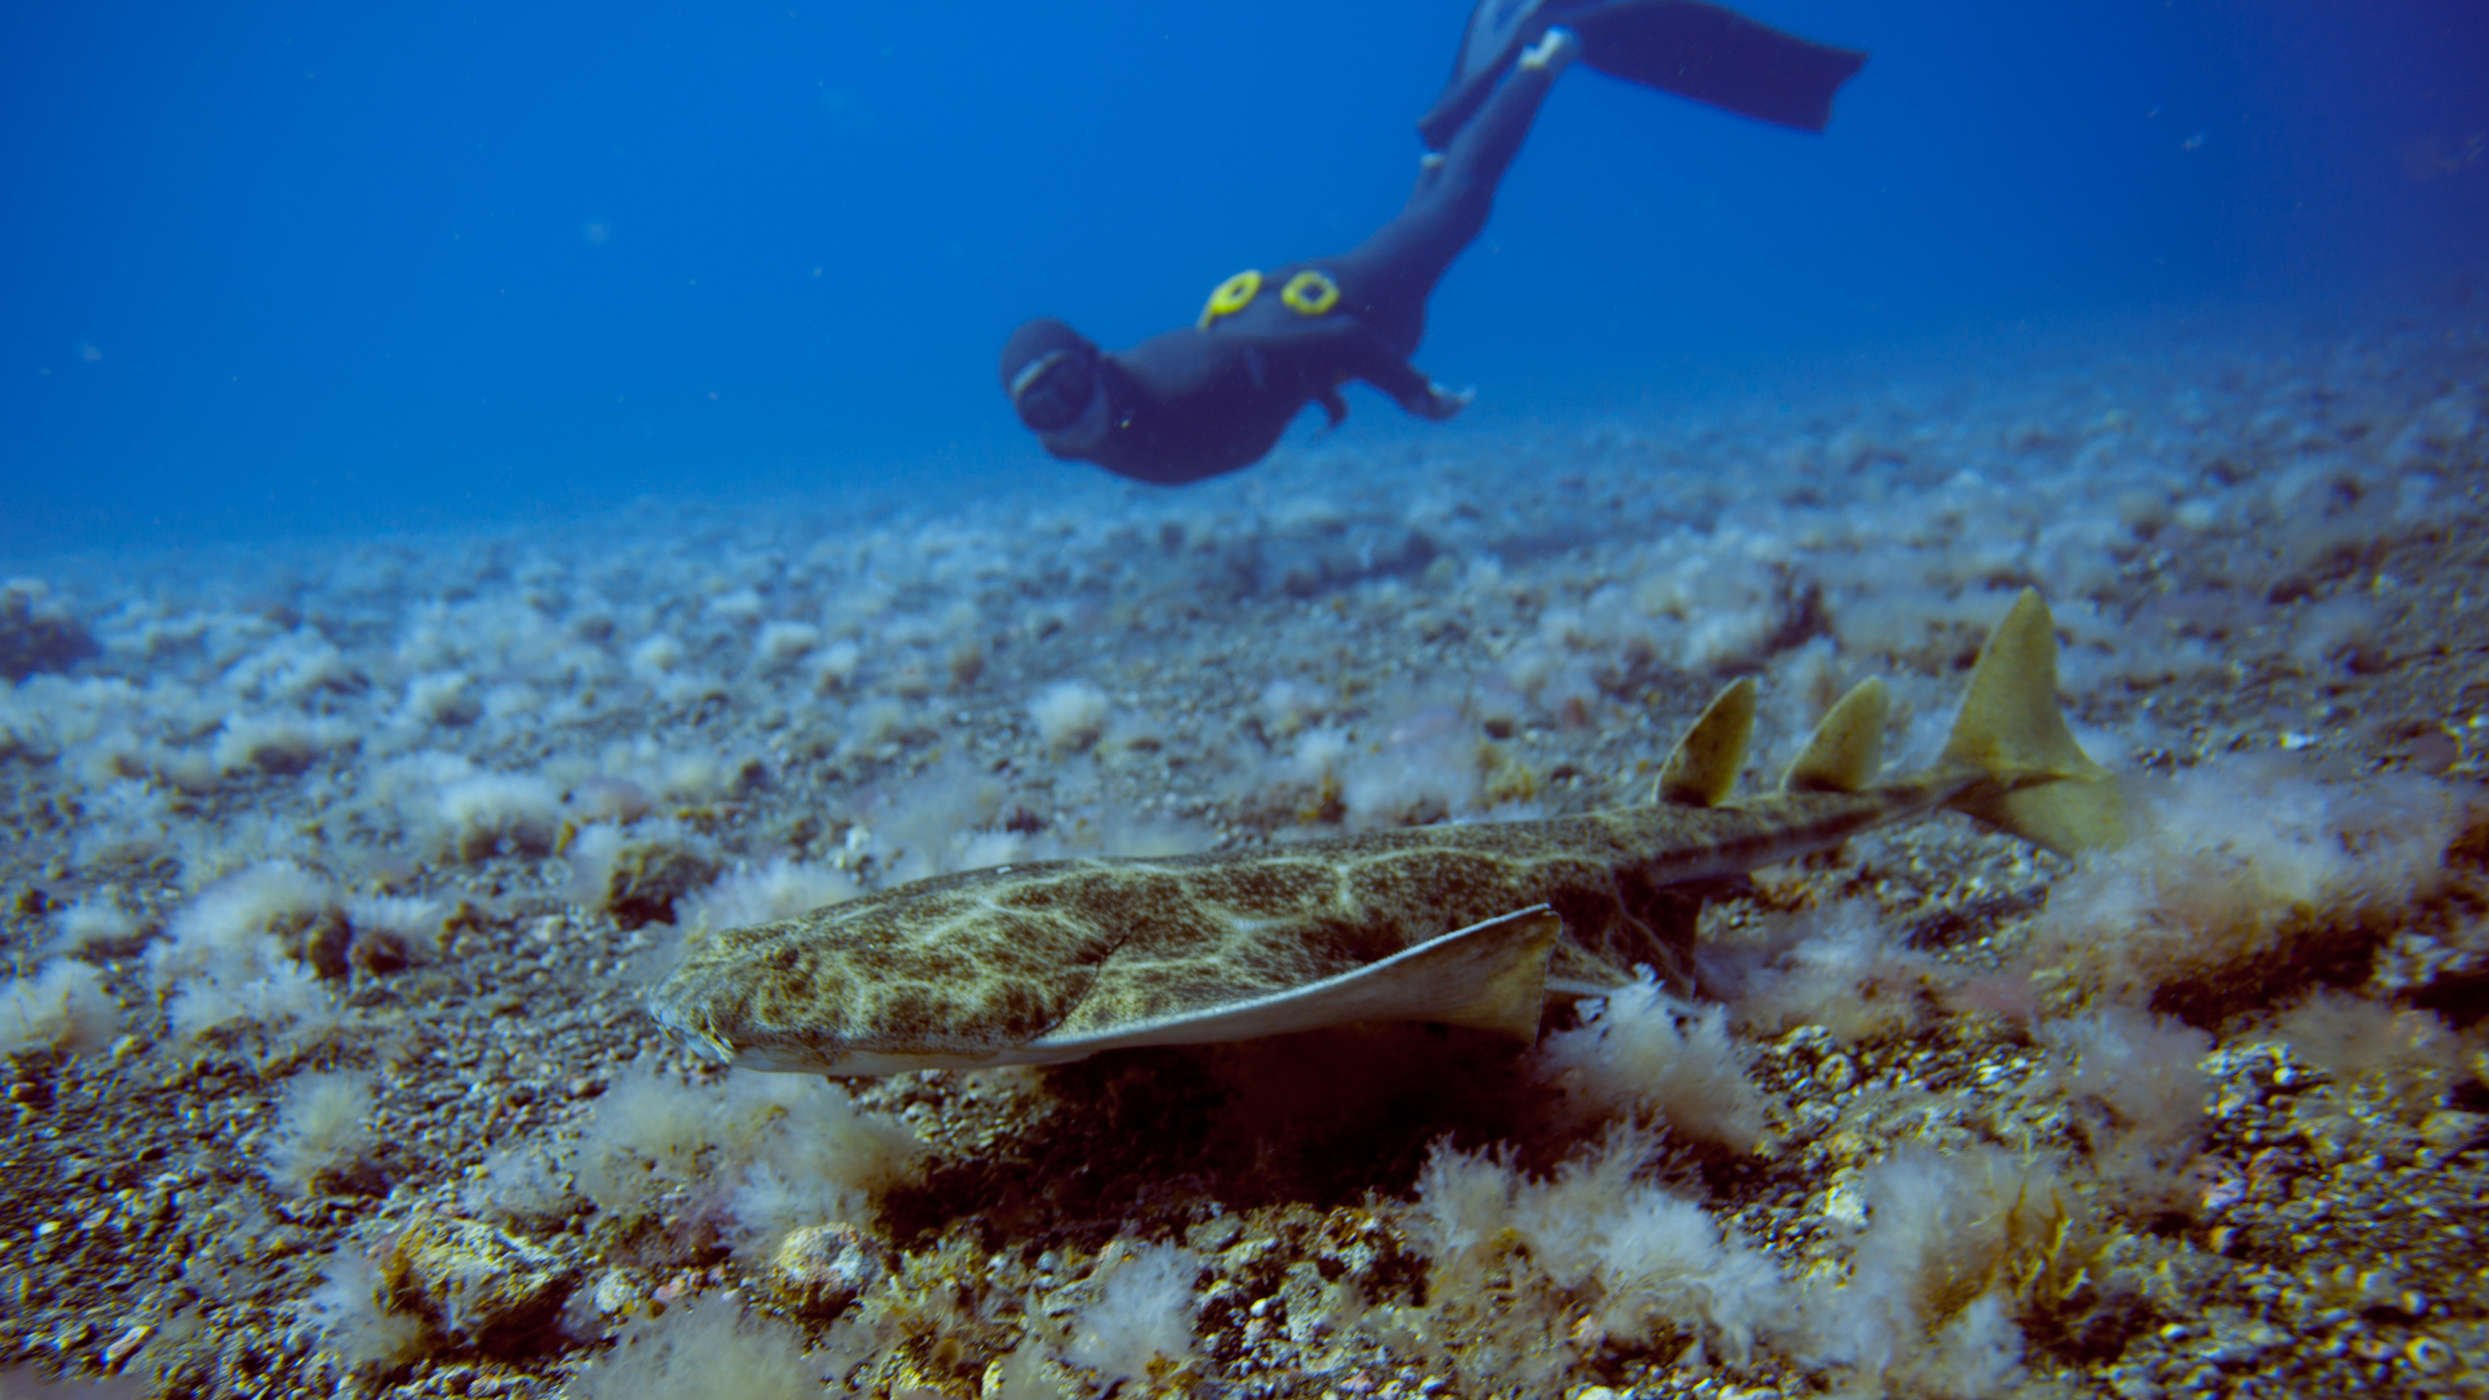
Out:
{"x": 2041, "y": 786}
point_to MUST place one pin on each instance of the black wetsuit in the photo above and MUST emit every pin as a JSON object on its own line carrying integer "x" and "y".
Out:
{"x": 1208, "y": 399}
{"x": 1216, "y": 396}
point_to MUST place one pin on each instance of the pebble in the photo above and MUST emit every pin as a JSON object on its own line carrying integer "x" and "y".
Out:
{"x": 2429, "y": 1356}
{"x": 117, "y": 1351}
{"x": 1837, "y": 1072}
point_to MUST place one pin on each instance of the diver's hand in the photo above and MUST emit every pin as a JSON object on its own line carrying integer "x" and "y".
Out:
{"x": 1441, "y": 403}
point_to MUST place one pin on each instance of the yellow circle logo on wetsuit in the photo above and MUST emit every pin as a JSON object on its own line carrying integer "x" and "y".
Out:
{"x": 1309, "y": 293}
{"x": 1232, "y": 296}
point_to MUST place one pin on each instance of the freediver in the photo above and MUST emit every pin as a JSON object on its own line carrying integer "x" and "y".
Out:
{"x": 1216, "y": 395}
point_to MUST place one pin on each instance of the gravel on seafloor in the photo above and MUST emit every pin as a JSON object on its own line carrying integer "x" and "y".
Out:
{"x": 508, "y": 769}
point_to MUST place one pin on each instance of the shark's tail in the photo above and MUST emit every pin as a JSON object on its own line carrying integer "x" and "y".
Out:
{"x": 2040, "y": 785}
{"x": 2018, "y": 766}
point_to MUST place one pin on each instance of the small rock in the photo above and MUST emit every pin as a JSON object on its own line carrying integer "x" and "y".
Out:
{"x": 318, "y": 938}
{"x": 2235, "y": 1349}
{"x": 2450, "y": 1130}
{"x": 616, "y": 1294}
{"x": 474, "y": 1283}
{"x": 819, "y": 1270}
{"x": 648, "y": 877}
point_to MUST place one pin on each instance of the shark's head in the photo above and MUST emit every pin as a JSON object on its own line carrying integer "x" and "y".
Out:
{"x": 930, "y": 976}
{"x": 709, "y": 1024}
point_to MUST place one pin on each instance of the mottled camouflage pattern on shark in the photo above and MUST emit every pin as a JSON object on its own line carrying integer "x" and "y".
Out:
{"x": 1469, "y": 924}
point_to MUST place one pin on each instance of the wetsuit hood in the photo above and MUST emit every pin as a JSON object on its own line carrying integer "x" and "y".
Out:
{"x": 1051, "y": 373}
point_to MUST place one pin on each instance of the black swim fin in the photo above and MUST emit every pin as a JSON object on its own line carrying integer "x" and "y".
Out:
{"x": 1694, "y": 50}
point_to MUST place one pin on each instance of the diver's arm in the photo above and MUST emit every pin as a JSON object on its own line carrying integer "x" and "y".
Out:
{"x": 1334, "y": 407}
{"x": 1419, "y": 394}
{"x": 1441, "y": 403}
{"x": 1427, "y": 399}
{"x": 1375, "y": 363}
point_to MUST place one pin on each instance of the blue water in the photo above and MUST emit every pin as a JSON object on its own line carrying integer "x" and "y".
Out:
{"x": 297, "y": 268}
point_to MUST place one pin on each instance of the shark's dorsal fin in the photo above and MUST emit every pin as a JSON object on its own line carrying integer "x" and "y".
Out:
{"x": 1703, "y": 768}
{"x": 1491, "y": 976}
{"x": 1847, "y": 749}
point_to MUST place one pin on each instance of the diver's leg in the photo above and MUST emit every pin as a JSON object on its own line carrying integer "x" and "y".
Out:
{"x": 1457, "y": 184}
{"x": 1456, "y": 187}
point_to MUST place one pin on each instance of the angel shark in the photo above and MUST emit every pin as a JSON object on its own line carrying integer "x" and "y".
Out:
{"x": 1472, "y": 924}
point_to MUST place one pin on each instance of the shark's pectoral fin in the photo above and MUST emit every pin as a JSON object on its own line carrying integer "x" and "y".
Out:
{"x": 1491, "y": 976}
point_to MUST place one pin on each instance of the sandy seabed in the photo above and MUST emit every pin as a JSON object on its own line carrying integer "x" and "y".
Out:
{"x": 335, "y": 877}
